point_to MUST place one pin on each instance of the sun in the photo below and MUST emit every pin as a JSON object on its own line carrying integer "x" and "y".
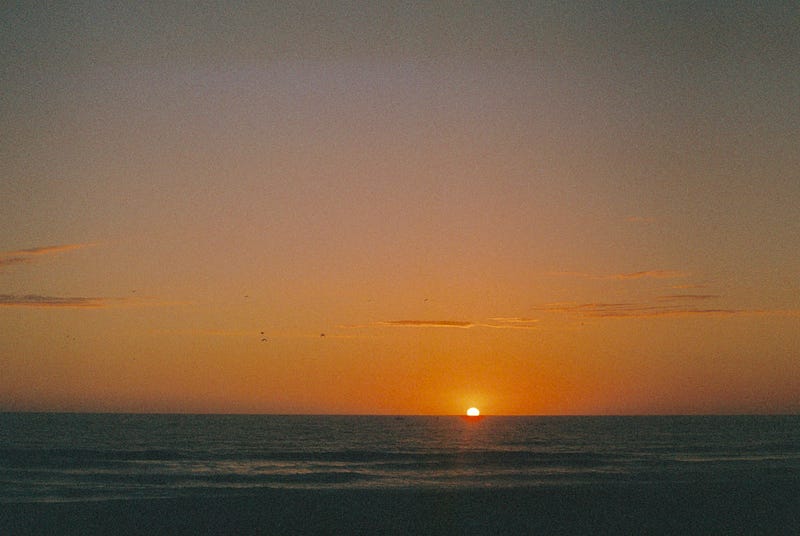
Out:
{"x": 473, "y": 412}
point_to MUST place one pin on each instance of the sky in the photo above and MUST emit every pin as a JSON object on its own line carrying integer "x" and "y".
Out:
{"x": 400, "y": 208}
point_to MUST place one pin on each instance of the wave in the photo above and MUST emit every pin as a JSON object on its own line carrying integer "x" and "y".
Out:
{"x": 115, "y": 458}
{"x": 54, "y": 457}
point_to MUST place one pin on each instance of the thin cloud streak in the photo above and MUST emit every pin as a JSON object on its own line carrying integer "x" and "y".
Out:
{"x": 49, "y": 250}
{"x": 645, "y": 274}
{"x": 427, "y": 323}
{"x": 24, "y": 256}
{"x": 494, "y": 323}
{"x": 512, "y": 323}
{"x": 80, "y": 302}
{"x": 654, "y": 274}
{"x": 36, "y": 300}
{"x": 634, "y": 310}
{"x": 689, "y": 297}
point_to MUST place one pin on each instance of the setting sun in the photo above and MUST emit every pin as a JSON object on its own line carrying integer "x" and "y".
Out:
{"x": 473, "y": 412}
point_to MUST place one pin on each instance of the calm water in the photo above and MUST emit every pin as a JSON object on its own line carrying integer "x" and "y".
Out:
{"x": 65, "y": 457}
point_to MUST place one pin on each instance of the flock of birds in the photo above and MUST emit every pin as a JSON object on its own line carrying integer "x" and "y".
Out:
{"x": 263, "y": 336}
{"x": 265, "y": 339}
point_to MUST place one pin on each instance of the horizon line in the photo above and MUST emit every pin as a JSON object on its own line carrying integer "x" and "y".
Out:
{"x": 250, "y": 414}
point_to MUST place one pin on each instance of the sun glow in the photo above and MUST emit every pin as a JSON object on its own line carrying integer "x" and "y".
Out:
{"x": 473, "y": 412}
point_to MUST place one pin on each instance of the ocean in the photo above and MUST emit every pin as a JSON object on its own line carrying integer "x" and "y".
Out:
{"x": 54, "y": 466}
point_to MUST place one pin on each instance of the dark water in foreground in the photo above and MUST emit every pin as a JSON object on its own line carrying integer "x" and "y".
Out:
{"x": 46, "y": 458}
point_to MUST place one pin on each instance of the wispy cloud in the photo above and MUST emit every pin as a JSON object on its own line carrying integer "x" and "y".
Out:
{"x": 496, "y": 323}
{"x": 644, "y": 274}
{"x": 48, "y": 250}
{"x": 626, "y": 310}
{"x": 23, "y": 256}
{"x": 654, "y": 274}
{"x": 662, "y": 307}
{"x": 36, "y": 300}
{"x": 639, "y": 219}
{"x": 82, "y": 302}
{"x": 687, "y": 297}
{"x": 689, "y": 287}
{"x": 644, "y": 310}
{"x": 513, "y": 322}
{"x": 427, "y": 323}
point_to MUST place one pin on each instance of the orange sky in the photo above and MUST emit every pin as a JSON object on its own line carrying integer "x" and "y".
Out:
{"x": 529, "y": 208}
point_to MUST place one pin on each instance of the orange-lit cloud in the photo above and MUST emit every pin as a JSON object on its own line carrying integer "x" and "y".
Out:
{"x": 35, "y": 300}
{"x": 497, "y": 323}
{"x": 427, "y": 323}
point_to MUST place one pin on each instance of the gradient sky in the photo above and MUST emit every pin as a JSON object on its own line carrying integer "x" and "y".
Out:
{"x": 533, "y": 208}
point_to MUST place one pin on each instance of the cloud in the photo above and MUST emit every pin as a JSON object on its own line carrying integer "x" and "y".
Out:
{"x": 427, "y": 323}
{"x": 589, "y": 309}
{"x": 654, "y": 274}
{"x": 645, "y": 274}
{"x": 48, "y": 250}
{"x": 687, "y": 297}
{"x": 514, "y": 322}
{"x": 496, "y": 323}
{"x": 638, "y": 310}
{"x": 35, "y": 300}
{"x": 83, "y": 302}
{"x": 639, "y": 219}
{"x": 23, "y": 256}
{"x": 624, "y": 310}
{"x": 652, "y": 312}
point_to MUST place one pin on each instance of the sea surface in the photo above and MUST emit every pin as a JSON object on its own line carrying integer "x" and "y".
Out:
{"x": 96, "y": 457}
